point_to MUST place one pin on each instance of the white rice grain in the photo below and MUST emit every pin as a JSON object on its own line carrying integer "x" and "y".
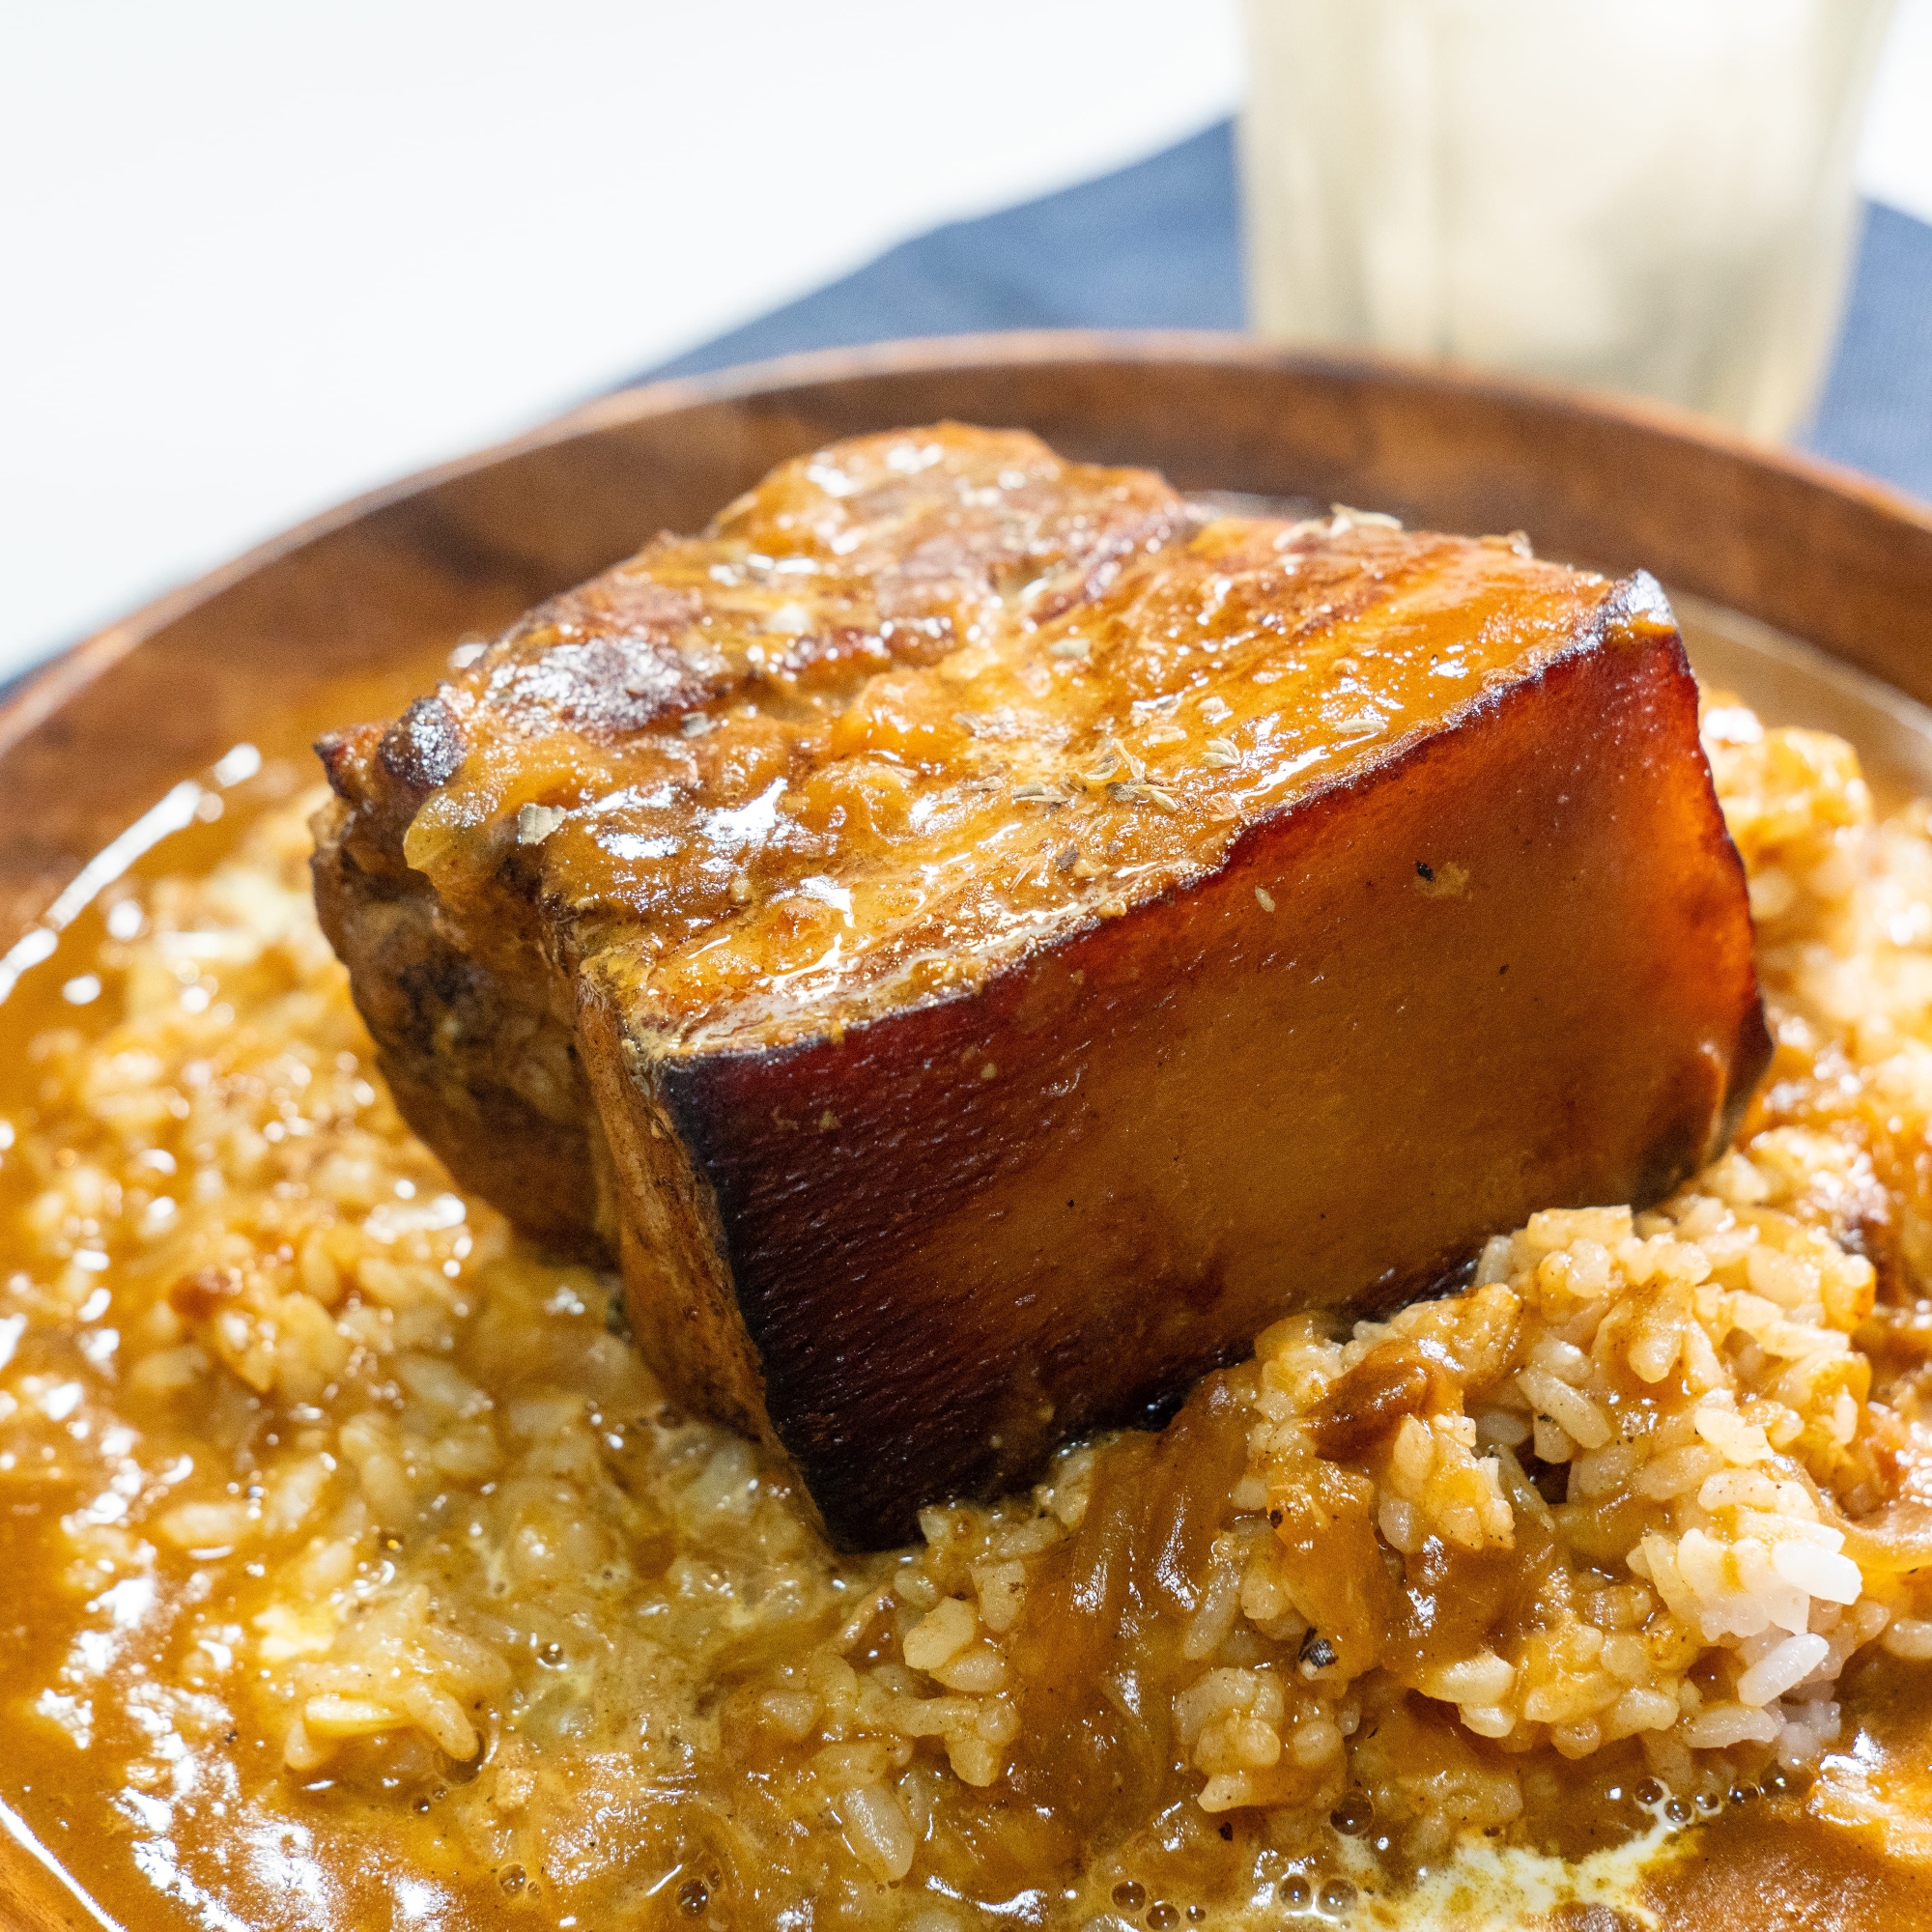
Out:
{"x": 1782, "y": 1668}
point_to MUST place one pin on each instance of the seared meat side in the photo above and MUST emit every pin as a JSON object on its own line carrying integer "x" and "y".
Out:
{"x": 979, "y": 942}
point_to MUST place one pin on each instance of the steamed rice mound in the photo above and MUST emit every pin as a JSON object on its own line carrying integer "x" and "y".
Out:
{"x": 364, "y": 1522}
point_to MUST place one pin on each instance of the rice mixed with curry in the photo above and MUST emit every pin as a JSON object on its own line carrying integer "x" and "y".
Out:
{"x": 363, "y": 1566}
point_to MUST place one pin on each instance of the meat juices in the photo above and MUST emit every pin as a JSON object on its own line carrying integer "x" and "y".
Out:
{"x": 979, "y": 942}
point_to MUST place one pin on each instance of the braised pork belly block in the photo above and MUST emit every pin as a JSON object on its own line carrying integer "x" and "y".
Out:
{"x": 978, "y": 942}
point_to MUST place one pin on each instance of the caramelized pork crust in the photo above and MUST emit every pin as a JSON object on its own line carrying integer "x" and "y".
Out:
{"x": 964, "y": 930}
{"x": 663, "y": 707}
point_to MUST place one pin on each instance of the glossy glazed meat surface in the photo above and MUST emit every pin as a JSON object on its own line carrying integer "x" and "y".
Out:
{"x": 667, "y": 705}
{"x": 977, "y": 940}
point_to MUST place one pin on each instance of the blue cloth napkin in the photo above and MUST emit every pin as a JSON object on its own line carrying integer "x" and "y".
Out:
{"x": 1157, "y": 246}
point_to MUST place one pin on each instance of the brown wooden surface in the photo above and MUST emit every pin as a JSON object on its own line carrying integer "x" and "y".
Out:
{"x": 32, "y": 1897}
{"x": 351, "y": 614}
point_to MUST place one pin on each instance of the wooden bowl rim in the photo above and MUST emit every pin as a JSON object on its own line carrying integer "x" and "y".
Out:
{"x": 42, "y": 689}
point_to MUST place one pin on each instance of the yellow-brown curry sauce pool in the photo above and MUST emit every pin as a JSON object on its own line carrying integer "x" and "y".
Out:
{"x": 357, "y": 1573}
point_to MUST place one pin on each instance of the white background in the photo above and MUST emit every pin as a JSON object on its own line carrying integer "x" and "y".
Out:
{"x": 256, "y": 255}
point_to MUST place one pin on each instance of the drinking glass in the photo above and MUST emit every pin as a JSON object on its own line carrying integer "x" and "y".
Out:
{"x": 1651, "y": 195}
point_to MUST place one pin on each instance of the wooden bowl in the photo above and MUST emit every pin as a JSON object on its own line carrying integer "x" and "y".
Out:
{"x": 353, "y": 613}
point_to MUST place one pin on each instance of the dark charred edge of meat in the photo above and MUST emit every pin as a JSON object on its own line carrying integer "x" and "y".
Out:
{"x": 371, "y": 812}
{"x": 345, "y": 756}
{"x": 424, "y": 747}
